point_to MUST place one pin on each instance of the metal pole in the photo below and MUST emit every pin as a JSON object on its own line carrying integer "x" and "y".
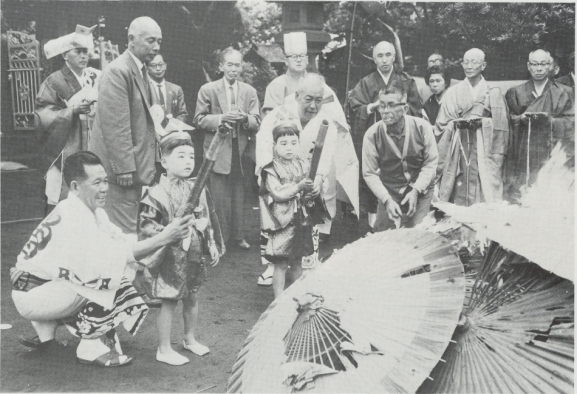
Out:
{"x": 350, "y": 53}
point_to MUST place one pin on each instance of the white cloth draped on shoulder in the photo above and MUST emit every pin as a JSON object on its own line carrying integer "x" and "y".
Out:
{"x": 338, "y": 162}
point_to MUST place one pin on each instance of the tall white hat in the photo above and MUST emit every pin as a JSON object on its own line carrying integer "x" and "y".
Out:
{"x": 81, "y": 38}
{"x": 295, "y": 43}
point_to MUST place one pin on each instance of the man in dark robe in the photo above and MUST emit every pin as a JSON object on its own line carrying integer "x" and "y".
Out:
{"x": 569, "y": 79}
{"x": 364, "y": 101}
{"x": 473, "y": 132}
{"x": 541, "y": 114}
{"x": 64, "y": 108}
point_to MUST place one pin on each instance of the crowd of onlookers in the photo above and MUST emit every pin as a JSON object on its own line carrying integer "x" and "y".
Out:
{"x": 123, "y": 233}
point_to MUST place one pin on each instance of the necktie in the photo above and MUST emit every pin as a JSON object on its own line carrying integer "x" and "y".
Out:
{"x": 232, "y": 108}
{"x": 232, "y": 99}
{"x": 160, "y": 95}
{"x": 146, "y": 83}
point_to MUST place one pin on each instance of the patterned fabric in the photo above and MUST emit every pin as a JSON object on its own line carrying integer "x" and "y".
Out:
{"x": 289, "y": 238}
{"x": 80, "y": 246}
{"x": 173, "y": 272}
{"x": 94, "y": 320}
{"x": 312, "y": 260}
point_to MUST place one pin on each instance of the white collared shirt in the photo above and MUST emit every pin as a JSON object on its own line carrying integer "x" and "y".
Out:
{"x": 139, "y": 64}
{"x": 161, "y": 88}
{"x": 228, "y": 93}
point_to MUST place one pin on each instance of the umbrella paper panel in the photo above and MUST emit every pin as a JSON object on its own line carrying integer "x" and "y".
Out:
{"x": 516, "y": 334}
{"x": 375, "y": 317}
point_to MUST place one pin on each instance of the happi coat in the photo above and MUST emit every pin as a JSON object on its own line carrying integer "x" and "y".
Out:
{"x": 531, "y": 143}
{"x": 89, "y": 254}
{"x": 471, "y": 161}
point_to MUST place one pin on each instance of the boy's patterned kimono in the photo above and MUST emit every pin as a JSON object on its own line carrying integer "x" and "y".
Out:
{"x": 173, "y": 272}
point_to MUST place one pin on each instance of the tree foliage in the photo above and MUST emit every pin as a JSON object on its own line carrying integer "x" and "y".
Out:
{"x": 506, "y": 32}
{"x": 261, "y": 20}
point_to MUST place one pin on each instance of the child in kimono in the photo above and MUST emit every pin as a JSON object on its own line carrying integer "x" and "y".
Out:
{"x": 284, "y": 187}
{"x": 175, "y": 272}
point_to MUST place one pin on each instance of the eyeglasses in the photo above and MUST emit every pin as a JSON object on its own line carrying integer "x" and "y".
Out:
{"x": 159, "y": 65}
{"x": 473, "y": 63}
{"x": 544, "y": 64}
{"x": 390, "y": 106}
{"x": 302, "y": 56}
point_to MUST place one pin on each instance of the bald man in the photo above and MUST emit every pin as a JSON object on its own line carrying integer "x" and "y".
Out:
{"x": 540, "y": 94}
{"x": 338, "y": 163}
{"x": 123, "y": 135}
{"x": 364, "y": 102}
{"x": 473, "y": 133}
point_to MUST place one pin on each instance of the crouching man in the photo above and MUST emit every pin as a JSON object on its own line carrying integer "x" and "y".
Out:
{"x": 399, "y": 162}
{"x": 72, "y": 270}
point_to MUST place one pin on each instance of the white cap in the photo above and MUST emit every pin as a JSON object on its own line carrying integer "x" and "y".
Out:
{"x": 295, "y": 43}
{"x": 81, "y": 38}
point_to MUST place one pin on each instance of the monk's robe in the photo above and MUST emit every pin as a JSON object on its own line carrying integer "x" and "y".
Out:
{"x": 471, "y": 159}
{"x": 60, "y": 131}
{"x": 366, "y": 92}
{"x": 531, "y": 148}
{"x": 568, "y": 80}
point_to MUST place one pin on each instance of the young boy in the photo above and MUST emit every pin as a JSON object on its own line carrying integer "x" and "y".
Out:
{"x": 176, "y": 272}
{"x": 284, "y": 185}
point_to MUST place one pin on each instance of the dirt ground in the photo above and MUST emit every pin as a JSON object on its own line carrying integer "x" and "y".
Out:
{"x": 230, "y": 304}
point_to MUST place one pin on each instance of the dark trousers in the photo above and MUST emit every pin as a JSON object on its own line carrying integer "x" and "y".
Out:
{"x": 383, "y": 221}
{"x": 122, "y": 206}
{"x": 227, "y": 191}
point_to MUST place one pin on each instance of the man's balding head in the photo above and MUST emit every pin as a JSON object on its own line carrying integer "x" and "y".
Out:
{"x": 309, "y": 95}
{"x": 475, "y": 53}
{"x": 474, "y": 63}
{"x": 384, "y": 56}
{"x": 144, "y": 37}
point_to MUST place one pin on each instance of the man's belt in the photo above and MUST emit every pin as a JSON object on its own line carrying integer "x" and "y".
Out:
{"x": 27, "y": 282}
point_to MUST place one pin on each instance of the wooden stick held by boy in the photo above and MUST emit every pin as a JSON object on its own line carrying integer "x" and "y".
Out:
{"x": 316, "y": 208}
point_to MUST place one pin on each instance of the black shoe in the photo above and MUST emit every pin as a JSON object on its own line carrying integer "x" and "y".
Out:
{"x": 35, "y": 343}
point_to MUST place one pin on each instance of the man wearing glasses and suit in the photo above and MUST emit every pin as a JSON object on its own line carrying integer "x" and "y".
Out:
{"x": 168, "y": 95}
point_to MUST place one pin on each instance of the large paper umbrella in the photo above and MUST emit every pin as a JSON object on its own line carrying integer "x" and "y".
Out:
{"x": 516, "y": 332}
{"x": 375, "y": 317}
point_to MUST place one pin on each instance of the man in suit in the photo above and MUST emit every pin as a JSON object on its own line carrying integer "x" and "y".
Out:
{"x": 168, "y": 95}
{"x": 228, "y": 100}
{"x": 124, "y": 134}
